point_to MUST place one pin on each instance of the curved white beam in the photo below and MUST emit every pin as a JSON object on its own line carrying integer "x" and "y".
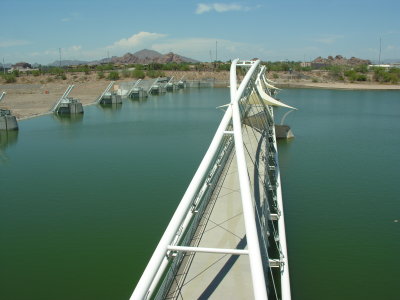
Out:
{"x": 256, "y": 266}
{"x": 269, "y": 100}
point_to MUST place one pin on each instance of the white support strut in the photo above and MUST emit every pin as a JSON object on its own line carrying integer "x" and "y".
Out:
{"x": 256, "y": 266}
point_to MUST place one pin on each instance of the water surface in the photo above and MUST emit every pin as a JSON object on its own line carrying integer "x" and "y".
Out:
{"x": 84, "y": 201}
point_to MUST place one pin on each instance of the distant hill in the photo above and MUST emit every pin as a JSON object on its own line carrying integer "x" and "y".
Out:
{"x": 339, "y": 60}
{"x": 144, "y": 56}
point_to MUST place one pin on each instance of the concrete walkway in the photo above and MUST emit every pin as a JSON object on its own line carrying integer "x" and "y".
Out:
{"x": 221, "y": 276}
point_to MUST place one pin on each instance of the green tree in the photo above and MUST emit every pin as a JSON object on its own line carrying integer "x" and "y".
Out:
{"x": 113, "y": 75}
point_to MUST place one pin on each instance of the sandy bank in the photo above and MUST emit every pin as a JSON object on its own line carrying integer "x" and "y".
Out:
{"x": 35, "y": 96}
{"x": 337, "y": 85}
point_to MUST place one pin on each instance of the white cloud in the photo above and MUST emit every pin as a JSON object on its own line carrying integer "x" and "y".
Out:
{"x": 136, "y": 40}
{"x": 219, "y": 7}
{"x": 12, "y": 43}
{"x": 74, "y": 48}
{"x": 65, "y": 19}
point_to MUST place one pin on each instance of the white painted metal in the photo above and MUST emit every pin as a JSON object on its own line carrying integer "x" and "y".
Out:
{"x": 2, "y": 95}
{"x": 183, "y": 214}
{"x": 185, "y": 223}
{"x": 209, "y": 250}
{"x": 109, "y": 86}
{"x": 156, "y": 261}
{"x": 134, "y": 86}
{"x": 154, "y": 84}
{"x": 256, "y": 266}
{"x": 63, "y": 97}
{"x": 268, "y": 85}
{"x": 267, "y": 98}
{"x": 169, "y": 82}
{"x": 285, "y": 282}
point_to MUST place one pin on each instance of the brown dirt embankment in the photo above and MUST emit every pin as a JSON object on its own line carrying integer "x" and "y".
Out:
{"x": 32, "y": 96}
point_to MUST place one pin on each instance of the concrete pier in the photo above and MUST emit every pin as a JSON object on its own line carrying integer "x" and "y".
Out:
{"x": 138, "y": 93}
{"x": 283, "y": 132}
{"x": 111, "y": 98}
{"x": 7, "y": 121}
{"x": 70, "y": 108}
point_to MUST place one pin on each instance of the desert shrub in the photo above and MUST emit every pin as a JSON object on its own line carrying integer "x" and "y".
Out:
{"x": 361, "y": 69}
{"x": 381, "y": 75}
{"x": 362, "y": 77}
{"x": 35, "y": 73}
{"x": 336, "y": 71}
{"x": 155, "y": 73}
{"x": 125, "y": 73}
{"x": 100, "y": 75}
{"x": 10, "y": 78}
{"x": 351, "y": 75}
{"x": 106, "y": 67}
{"x": 275, "y": 76}
{"x": 113, "y": 75}
{"x": 63, "y": 76}
{"x": 138, "y": 74}
{"x": 16, "y": 73}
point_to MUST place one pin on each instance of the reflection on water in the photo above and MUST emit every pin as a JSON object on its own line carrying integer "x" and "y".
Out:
{"x": 8, "y": 137}
{"x": 113, "y": 106}
{"x": 69, "y": 119}
{"x": 138, "y": 100}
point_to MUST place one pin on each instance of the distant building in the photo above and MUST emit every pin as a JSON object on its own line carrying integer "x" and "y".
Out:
{"x": 385, "y": 66}
{"x": 21, "y": 67}
{"x": 305, "y": 64}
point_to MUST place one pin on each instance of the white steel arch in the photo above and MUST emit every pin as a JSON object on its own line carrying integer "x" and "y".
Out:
{"x": 231, "y": 125}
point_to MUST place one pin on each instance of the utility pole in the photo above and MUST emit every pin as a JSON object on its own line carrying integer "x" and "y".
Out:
{"x": 216, "y": 51}
{"x": 4, "y": 67}
{"x": 380, "y": 49}
{"x": 59, "y": 49}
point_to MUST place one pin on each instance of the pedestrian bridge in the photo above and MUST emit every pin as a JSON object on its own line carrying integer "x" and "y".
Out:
{"x": 227, "y": 238}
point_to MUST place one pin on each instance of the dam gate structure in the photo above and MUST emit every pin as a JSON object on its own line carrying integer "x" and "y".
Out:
{"x": 7, "y": 120}
{"x": 227, "y": 236}
{"x": 67, "y": 105}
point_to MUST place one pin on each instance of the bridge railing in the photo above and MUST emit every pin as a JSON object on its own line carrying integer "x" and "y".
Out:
{"x": 194, "y": 198}
{"x": 160, "y": 272}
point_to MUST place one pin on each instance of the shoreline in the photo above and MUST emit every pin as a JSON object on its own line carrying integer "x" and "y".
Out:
{"x": 28, "y": 99}
{"x": 338, "y": 86}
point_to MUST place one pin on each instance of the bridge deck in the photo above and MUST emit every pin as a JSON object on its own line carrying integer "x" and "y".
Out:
{"x": 222, "y": 276}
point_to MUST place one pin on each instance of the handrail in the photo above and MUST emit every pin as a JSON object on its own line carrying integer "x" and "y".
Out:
{"x": 256, "y": 266}
{"x": 175, "y": 237}
{"x": 142, "y": 287}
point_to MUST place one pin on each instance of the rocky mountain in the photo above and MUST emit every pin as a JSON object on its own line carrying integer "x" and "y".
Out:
{"x": 340, "y": 60}
{"x": 146, "y": 56}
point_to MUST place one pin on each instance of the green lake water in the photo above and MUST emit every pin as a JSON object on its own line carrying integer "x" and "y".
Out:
{"x": 83, "y": 202}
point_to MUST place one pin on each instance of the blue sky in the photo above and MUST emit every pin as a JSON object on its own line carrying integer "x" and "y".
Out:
{"x": 34, "y": 30}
